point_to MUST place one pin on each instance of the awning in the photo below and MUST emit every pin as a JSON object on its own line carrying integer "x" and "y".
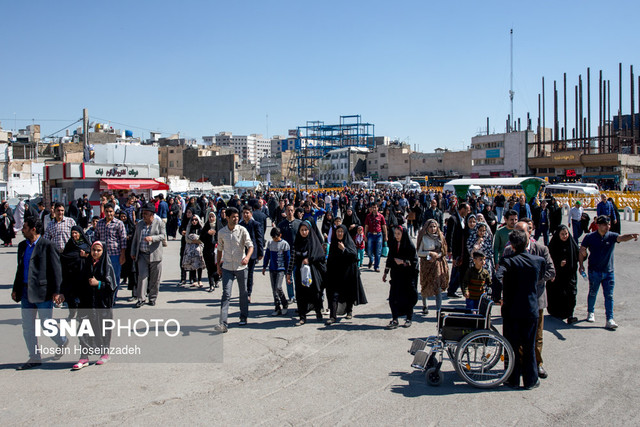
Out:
{"x": 132, "y": 184}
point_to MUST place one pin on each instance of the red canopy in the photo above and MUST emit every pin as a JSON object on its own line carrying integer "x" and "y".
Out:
{"x": 132, "y": 184}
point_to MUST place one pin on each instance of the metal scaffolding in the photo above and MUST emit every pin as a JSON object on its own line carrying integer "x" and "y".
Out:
{"x": 316, "y": 139}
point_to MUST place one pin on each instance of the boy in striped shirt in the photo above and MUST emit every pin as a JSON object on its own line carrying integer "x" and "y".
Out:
{"x": 476, "y": 281}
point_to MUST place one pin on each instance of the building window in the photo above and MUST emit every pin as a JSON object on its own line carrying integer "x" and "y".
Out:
{"x": 16, "y": 175}
{"x": 406, "y": 161}
{"x": 382, "y": 154}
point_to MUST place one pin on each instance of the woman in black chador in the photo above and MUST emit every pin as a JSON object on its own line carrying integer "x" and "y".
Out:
{"x": 402, "y": 264}
{"x": 561, "y": 292}
{"x": 97, "y": 288}
{"x": 307, "y": 252}
{"x": 72, "y": 260}
{"x": 344, "y": 286}
{"x": 6, "y": 224}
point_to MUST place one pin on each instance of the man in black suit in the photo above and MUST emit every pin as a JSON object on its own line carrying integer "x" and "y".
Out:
{"x": 257, "y": 237}
{"x": 521, "y": 274}
{"x": 456, "y": 244}
{"x": 37, "y": 287}
{"x": 433, "y": 213}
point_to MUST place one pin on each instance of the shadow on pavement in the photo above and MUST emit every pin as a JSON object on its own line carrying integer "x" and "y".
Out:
{"x": 416, "y": 385}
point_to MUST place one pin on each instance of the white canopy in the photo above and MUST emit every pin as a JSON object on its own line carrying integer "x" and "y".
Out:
{"x": 494, "y": 182}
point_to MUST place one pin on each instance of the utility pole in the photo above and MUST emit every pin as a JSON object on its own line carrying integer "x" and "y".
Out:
{"x": 511, "y": 92}
{"x": 85, "y": 133}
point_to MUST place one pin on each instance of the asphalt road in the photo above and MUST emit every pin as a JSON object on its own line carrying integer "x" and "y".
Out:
{"x": 354, "y": 372}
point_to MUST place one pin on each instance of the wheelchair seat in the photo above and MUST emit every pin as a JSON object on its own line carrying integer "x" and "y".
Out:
{"x": 455, "y": 324}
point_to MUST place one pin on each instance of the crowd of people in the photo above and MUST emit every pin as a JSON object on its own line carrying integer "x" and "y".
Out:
{"x": 316, "y": 249}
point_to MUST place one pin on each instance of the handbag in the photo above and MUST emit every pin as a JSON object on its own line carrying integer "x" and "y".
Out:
{"x": 385, "y": 249}
{"x": 411, "y": 216}
{"x": 305, "y": 275}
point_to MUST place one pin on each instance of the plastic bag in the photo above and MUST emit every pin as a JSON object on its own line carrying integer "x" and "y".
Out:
{"x": 305, "y": 275}
{"x": 385, "y": 249}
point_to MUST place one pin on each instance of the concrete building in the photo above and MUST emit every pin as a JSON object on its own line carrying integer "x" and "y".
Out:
{"x": 220, "y": 169}
{"x": 281, "y": 143}
{"x": 19, "y": 176}
{"x": 278, "y": 167}
{"x": 170, "y": 160}
{"x": 343, "y": 165}
{"x": 250, "y": 148}
{"x": 500, "y": 154}
{"x": 387, "y": 161}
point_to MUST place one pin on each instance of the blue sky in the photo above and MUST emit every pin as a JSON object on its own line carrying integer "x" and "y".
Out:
{"x": 426, "y": 73}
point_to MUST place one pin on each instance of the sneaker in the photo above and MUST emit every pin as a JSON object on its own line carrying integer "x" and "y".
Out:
{"x": 330, "y": 322}
{"x": 284, "y": 311}
{"x": 407, "y": 324}
{"x": 425, "y": 311}
{"x": 276, "y": 313}
{"x": 572, "y": 320}
{"x": 242, "y": 322}
{"x": 210, "y": 289}
{"x": 60, "y": 350}
{"x": 392, "y": 325}
{"x": 139, "y": 304}
{"x": 611, "y": 324}
{"x": 591, "y": 318}
{"x": 103, "y": 359}
{"x": 370, "y": 265}
{"x": 222, "y": 328}
{"x": 31, "y": 363}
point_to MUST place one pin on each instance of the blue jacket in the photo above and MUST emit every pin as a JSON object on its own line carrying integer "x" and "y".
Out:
{"x": 516, "y": 208}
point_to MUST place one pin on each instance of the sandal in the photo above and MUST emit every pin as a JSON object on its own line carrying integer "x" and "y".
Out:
{"x": 82, "y": 363}
{"x": 103, "y": 359}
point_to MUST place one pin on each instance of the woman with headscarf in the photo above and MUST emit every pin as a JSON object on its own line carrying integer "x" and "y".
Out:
{"x": 173, "y": 218}
{"x": 186, "y": 218}
{"x": 615, "y": 226}
{"x": 96, "y": 293}
{"x": 7, "y": 233}
{"x": 18, "y": 217}
{"x": 402, "y": 265}
{"x": 490, "y": 217}
{"x": 128, "y": 269}
{"x": 562, "y": 290}
{"x": 434, "y": 269}
{"x": 209, "y": 239}
{"x": 414, "y": 217}
{"x": 327, "y": 223}
{"x": 72, "y": 260}
{"x": 351, "y": 221}
{"x": 193, "y": 261}
{"x": 343, "y": 285}
{"x": 73, "y": 212}
{"x": 481, "y": 240}
{"x": 307, "y": 252}
{"x": 390, "y": 217}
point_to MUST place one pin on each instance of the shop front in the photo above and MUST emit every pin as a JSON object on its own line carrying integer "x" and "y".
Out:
{"x": 70, "y": 181}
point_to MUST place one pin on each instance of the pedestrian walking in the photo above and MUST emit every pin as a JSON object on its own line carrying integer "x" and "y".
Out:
{"x": 146, "y": 251}
{"x": 276, "y": 260}
{"x": 434, "y": 269}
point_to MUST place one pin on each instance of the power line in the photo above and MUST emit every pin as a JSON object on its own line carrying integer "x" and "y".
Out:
{"x": 38, "y": 120}
{"x": 130, "y": 126}
{"x": 49, "y": 136}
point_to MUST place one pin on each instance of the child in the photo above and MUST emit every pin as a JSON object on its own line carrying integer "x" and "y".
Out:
{"x": 593, "y": 227}
{"x": 276, "y": 258}
{"x": 90, "y": 233}
{"x": 360, "y": 244}
{"x": 476, "y": 281}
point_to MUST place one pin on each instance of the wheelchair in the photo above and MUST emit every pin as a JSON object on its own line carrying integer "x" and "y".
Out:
{"x": 479, "y": 354}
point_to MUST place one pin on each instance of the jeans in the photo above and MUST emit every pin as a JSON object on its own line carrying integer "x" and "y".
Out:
{"x": 544, "y": 232}
{"x": 279, "y": 299}
{"x": 437, "y": 297}
{"x": 607, "y": 280}
{"x": 290, "y": 287}
{"x": 577, "y": 230}
{"x": 227, "y": 284}
{"x": 360, "y": 257}
{"x": 250, "y": 268}
{"x": 29, "y": 313}
{"x": 374, "y": 245}
{"x": 499, "y": 212}
{"x": 472, "y": 304}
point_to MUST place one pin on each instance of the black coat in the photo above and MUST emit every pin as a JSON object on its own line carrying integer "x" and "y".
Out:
{"x": 45, "y": 272}
{"x": 257, "y": 237}
{"x": 455, "y": 236}
{"x": 437, "y": 215}
{"x": 521, "y": 276}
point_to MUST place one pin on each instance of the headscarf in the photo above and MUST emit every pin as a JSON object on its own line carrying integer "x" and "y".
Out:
{"x": 349, "y": 220}
{"x": 129, "y": 226}
{"x": 559, "y": 249}
{"x": 486, "y": 246}
{"x": 405, "y": 249}
{"x": 18, "y": 217}
{"x": 82, "y": 244}
{"x": 213, "y": 223}
{"x": 349, "y": 245}
{"x": 194, "y": 230}
{"x": 101, "y": 269}
{"x": 327, "y": 222}
{"x": 437, "y": 236}
{"x": 310, "y": 244}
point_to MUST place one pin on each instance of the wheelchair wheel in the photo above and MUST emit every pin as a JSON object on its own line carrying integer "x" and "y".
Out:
{"x": 483, "y": 359}
{"x": 434, "y": 377}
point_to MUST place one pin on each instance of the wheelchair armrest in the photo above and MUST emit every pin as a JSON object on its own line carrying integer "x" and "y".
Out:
{"x": 455, "y": 310}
